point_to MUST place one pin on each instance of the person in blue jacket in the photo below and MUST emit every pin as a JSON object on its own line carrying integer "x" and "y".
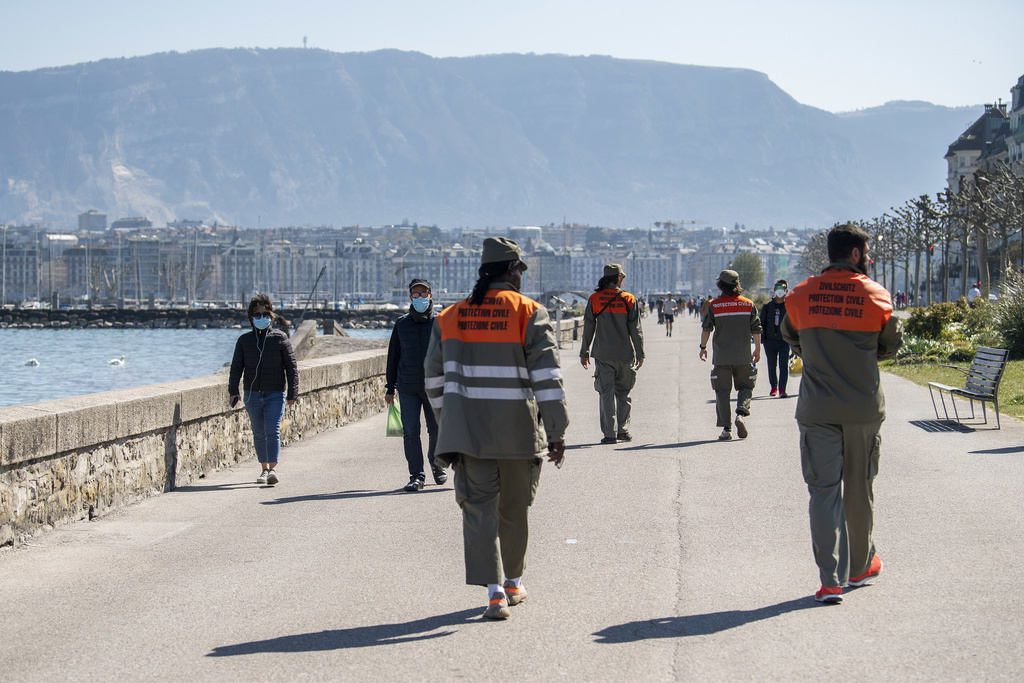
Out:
{"x": 406, "y": 353}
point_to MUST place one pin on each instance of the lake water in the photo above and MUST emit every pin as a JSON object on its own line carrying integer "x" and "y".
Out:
{"x": 74, "y": 362}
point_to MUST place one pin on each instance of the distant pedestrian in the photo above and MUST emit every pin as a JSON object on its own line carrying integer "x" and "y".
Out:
{"x": 734, "y": 321}
{"x": 973, "y": 294}
{"x": 406, "y": 353}
{"x": 494, "y": 381}
{"x": 841, "y": 405}
{"x": 670, "y": 315}
{"x": 776, "y": 350}
{"x": 265, "y": 364}
{"x": 611, "y": 323}
{"x": 661, "y": 310}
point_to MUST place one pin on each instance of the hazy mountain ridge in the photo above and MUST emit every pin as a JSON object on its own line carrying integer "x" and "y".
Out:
{"x": 306, "y": 136}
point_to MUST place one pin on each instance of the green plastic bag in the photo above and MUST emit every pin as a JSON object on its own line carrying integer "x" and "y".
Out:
{"x": 395, "y": 420}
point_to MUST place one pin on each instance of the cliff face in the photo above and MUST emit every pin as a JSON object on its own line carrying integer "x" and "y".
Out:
{"x": 289, "y": 137}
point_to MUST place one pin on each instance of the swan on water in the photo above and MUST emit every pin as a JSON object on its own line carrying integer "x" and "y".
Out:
{"x": 116, "y": 361}
{"x": 32, "y": 361}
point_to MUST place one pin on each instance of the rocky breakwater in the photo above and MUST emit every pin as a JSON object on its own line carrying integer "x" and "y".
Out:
{"x": 185, "y": 318}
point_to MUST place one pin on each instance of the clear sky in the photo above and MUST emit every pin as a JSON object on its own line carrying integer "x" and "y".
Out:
{"x": 838, "y": 55}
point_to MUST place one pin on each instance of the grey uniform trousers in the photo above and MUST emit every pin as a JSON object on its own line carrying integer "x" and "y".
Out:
{"x": 614, "y": 380}
{"x": 495, "y": 497}
{"x": 723, "y": 377}
{"x": 840, "y": 462}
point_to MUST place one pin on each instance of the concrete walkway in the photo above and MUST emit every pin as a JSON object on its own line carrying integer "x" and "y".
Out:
{"x": 672, "y": 557}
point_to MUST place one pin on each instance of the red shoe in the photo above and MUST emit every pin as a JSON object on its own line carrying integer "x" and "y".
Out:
{"x": 783, "y": 394}
{"x": 829, "y": 594}
{"x": 775, "y": 391}
{"x": 873, "y": 570}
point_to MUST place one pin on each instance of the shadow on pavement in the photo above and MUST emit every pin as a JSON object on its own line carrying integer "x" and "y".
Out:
{"x": 698, "y": 624}
{"x": 217, "y": 487}
{"x": 360, "y": 636}
{"x": 941, "y": 426}
{"x": 344, "y": 495}
{"x": 1002, "y": 451}
{"x": 650, "y": 447}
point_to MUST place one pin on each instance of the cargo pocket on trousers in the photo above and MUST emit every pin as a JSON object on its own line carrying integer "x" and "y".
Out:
{"x": 459, "y": 481}
{"x": 805, "y": 460}
{"x": 876, "y": 452}
{"x": 535, "y": 466}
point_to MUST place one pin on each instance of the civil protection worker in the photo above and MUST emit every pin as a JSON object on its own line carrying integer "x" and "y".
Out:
{"x": 734, "y": 320}
{"x": 611, "y": 322}
{"x": 841, "y": 324}
{"x": 494, "y": 381}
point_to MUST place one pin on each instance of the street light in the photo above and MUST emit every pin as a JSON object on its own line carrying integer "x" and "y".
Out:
{"x": 5, "y": 267}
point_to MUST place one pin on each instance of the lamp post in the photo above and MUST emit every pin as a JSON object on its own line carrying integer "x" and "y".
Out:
{"x": 5, "y": 267}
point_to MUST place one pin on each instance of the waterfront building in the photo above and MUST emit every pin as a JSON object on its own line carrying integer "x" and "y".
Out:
{"x": 92, "y": 221}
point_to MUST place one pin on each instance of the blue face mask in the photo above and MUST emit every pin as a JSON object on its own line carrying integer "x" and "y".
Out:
{"x": 421, "y": 305}
{"x": 261, "y": 323}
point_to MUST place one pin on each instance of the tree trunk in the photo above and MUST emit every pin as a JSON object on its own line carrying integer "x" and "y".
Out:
{"x": 983, "y": 274}
{"x": 963, "y": 264}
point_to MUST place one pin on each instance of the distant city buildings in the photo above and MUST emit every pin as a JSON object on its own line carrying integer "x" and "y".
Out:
{"x": 187, "y": 262}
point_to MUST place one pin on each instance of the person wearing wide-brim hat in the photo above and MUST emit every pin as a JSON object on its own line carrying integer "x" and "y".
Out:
{"x": 611, "y": 323}
{"x": 734, "y": 321}
{"x": 494, "y": 381}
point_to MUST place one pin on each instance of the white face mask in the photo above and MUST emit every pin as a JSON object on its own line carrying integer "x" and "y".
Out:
{"x": 780, "y": 293}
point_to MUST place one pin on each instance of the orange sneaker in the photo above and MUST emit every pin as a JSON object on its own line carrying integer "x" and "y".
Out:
{"x": 829, "y": 594}
{"x": 515, "y": 595}
{"x": 498, "y": 608}
{"x": 873, "y": 570}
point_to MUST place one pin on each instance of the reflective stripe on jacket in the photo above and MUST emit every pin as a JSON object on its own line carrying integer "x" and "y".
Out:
{"x": 612, "y": 323}
{"x": 841, "y": 324}
{"x": 491, "y": 371}
{"x": 734, "y": 319}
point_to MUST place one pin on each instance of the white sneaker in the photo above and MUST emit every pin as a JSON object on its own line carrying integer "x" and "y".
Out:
{"x": 726, "y": 435}
{"x": 272, "y": 477}
{"x": 262, "y": 479}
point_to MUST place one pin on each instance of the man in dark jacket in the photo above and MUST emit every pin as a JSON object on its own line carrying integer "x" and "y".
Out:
{"x": 775, "y": 347}
{"x": 406, "y": 353}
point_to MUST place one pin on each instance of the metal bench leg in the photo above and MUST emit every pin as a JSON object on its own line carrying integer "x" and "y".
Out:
{"x": 984, "y": 413}
{"x": 996, "y": 408}
{"x": 935, "y": 407}
{"x": 952, "y": 399}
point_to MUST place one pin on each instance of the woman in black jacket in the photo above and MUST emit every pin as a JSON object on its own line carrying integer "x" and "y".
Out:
{"x": 264, "y": 360}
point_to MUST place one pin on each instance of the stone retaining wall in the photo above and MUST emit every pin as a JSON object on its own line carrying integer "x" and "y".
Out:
{"x": 76, "y": 458}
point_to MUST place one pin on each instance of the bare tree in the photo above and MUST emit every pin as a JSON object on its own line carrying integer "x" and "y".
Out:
{"x": 815, "y": 256}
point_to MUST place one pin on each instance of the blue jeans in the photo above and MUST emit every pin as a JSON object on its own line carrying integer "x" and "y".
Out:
{"x": 777, "y": 353}
{"x": 265, "y": 408}
{"x": 411, "y": 405}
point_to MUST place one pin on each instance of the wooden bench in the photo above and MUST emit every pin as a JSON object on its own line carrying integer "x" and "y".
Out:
{"x": 982, "y": 383}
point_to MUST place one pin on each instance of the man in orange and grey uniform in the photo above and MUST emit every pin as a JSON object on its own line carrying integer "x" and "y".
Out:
{"x": 841, "y": 324}
{"x": 611, "y": 323}
{"x": 494, "y": 381}
{"x": 734, "y": 320}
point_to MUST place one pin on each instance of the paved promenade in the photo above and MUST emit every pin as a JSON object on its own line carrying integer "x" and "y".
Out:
{"x": 674, "y": 557}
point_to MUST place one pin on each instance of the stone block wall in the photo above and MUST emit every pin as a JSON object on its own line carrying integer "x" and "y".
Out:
{"x": 79, "y": 457}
